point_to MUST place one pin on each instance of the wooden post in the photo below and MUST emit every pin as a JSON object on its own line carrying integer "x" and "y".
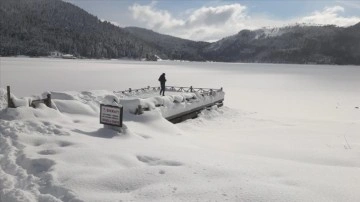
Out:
{"x": 139, "y": 110}
{"x": 8, "y": 96}
{"x": 121, "y": 116}
{"x": 191, "y": 89}
{"x": 129, "y": 90}
{"x": 10, "y": 102}
{"x": 48, "y": 100}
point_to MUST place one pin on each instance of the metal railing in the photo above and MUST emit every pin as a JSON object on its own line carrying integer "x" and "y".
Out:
{"x": 202, "y": 91}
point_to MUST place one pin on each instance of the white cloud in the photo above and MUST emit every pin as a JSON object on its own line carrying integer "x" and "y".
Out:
{"x": 214, "y": 23}
{"x": 214, "y": 16}
{"x": 206, "y": 23}
{"x": 330, "y": 15}
{"x": 154, "y": 18}
{"x": 350, "y": 4}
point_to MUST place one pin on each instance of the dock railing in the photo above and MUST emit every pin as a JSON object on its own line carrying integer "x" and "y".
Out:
{"x": 202, "y": 91}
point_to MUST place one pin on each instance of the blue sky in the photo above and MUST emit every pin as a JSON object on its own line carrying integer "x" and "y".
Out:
{"x": 213, "y": 20}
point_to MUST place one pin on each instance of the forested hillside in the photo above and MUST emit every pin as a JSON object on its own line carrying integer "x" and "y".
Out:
{"x": 174, "y": 47}
{"x": 294, "y": 44}
{"x": 38, "y": 27}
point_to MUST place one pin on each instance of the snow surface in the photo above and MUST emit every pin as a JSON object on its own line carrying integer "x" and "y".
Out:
{"x": 286, "y": 133}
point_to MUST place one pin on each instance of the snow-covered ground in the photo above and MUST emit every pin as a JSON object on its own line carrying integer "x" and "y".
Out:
{"x": 286, "y": 133}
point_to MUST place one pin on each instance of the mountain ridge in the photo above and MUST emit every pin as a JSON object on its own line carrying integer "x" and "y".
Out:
{"x": 293, "y": 44}
{"x": 38, "y": 27}
{"x": 176, "y": 47}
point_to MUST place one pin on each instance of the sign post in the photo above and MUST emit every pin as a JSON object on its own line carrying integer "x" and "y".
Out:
{"x": 112, "y": 116}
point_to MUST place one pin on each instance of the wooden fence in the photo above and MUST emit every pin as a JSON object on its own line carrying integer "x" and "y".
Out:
{"x": 34, "y": 103}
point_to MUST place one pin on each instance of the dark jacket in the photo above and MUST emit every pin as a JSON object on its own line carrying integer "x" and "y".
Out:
{"x": 162, "y": 79}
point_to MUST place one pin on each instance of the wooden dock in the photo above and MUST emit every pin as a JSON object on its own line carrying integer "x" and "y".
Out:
{"x": 179, "y": 104}
{"x": 189, "y": 107}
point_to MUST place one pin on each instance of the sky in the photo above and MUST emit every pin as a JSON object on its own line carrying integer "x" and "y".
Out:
{"x": 202, "y": 20}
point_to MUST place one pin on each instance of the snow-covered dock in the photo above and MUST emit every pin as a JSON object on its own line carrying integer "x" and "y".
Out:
{"x": 179, "y": 104}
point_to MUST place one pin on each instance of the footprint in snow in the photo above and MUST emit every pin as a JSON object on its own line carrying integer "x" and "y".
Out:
{"x": 35, "y": 166}
{"x": 144, "y": 136}
{"x": 64, "y": 143}
{"x": 153, "y": 161}
{"x": 47, "y": 152}
{"x": 38, "y": 143}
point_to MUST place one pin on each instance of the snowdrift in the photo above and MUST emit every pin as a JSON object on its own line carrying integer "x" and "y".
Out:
{"x": 287, "y": 133}
{"x": 58, "y": 138}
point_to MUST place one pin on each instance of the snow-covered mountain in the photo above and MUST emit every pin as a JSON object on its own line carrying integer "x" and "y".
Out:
{"x": 39, "y": 27}
{"x": 292, "y": 44}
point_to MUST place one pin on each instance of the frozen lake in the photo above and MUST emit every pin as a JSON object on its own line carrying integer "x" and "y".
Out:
{"x": 293, "y": 90}
{"x": 285, "y": 133}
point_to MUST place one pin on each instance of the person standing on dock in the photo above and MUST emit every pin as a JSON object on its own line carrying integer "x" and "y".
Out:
{"x": 162, "y": 80}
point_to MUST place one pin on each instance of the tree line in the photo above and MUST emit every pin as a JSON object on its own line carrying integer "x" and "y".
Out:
{"x": 38, "y": 27}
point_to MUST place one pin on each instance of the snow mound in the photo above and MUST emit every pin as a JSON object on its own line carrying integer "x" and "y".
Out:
{"x": 74, "y": 107}
{"x": 22, "y": 102}
{"x": 22, "y": 178}
{"x": 82, "y": 103}
{"x": 28, "y": 113}
{"x": 62, "y": 96}
{"x": 3, "y": 99}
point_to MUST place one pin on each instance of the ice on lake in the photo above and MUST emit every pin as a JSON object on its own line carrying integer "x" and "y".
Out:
{"x": 286, "y": 133}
